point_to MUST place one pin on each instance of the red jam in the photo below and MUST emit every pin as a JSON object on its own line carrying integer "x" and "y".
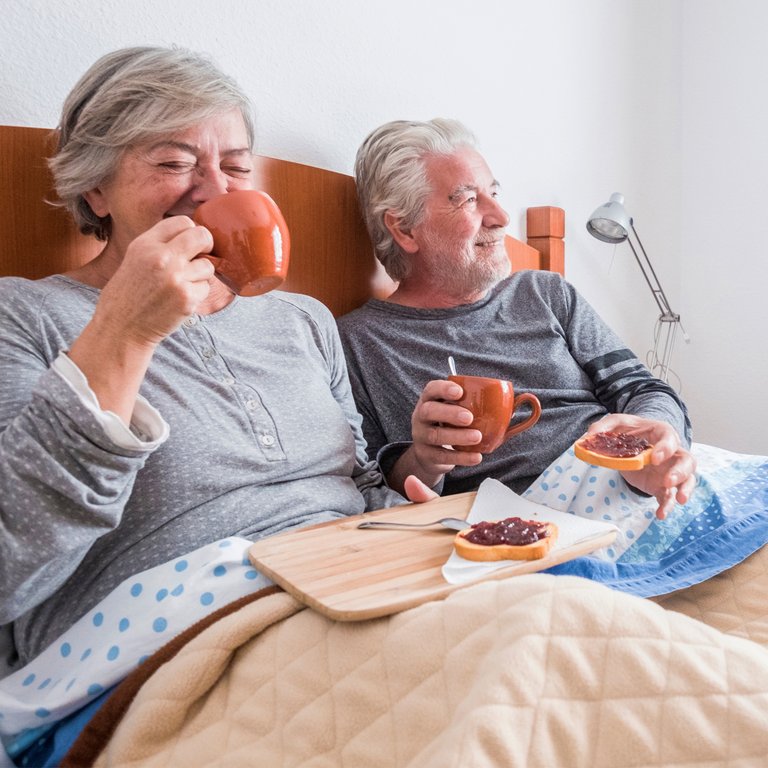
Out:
{"x": 617, "y": 444}
{"x": 513, "y": 531}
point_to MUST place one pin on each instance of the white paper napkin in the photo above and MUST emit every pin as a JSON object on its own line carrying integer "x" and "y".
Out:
{"x": 494, "y": 501}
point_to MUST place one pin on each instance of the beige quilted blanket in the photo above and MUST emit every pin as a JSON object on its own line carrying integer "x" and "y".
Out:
{"x": 735, "y": 601}
{"x": 530, "y": 671}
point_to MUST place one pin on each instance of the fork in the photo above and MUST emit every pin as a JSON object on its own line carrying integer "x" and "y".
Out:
{"x": 454, "y": 523}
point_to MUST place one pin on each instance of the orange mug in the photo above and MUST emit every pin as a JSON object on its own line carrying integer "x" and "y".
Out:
{"x": 251, "y": 243}
{"x": 493, "y": 404}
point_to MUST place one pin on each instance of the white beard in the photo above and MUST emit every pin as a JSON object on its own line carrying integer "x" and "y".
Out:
{"x": 465, "y": 271}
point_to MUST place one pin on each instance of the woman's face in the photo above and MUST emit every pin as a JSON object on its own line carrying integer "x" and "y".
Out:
{"x": 172, "y": 175}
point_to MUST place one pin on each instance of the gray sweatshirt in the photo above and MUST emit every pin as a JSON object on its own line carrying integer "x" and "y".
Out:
{"x": 533, "y": 329}
{"x": 264, "y": 436}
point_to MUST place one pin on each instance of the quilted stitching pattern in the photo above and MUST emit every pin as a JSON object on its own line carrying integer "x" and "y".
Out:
{"x": 529, "y": 671}
{"x": 735, "y": 601}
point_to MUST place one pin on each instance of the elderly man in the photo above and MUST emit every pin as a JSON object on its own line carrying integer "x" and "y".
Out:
{"x": 431, "y": 206}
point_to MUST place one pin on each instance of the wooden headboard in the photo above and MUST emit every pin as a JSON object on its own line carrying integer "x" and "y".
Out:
{"x": 331, "y": 255}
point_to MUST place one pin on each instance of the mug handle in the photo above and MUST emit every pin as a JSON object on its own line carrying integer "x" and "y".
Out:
{"x": 533, "y": 401}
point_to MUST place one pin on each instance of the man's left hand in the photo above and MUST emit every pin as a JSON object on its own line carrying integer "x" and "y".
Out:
{"x": 671, "y": 474}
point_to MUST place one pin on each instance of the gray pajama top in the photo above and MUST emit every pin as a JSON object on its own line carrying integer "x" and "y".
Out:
{"x": 533, "y": 329}
{"x": 264, "y": 436}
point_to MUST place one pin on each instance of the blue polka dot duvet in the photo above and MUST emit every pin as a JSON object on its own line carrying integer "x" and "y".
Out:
{"x": 133, "y": 621}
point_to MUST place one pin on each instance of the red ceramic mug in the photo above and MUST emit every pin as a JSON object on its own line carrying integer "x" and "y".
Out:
{"x": 493, "y": 404}
{"x": 251, "y": 243}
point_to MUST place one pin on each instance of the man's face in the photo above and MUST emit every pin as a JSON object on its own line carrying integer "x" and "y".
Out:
{"x": 461, "y": 236}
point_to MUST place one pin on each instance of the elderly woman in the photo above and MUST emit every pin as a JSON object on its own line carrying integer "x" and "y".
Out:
{"x": 145, "y": 409}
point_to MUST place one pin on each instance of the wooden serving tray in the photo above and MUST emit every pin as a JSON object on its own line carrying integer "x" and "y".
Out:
{"x": 352, "y": 574}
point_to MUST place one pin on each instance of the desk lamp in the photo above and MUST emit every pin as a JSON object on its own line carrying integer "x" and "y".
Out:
{"x": 612, "y": 224}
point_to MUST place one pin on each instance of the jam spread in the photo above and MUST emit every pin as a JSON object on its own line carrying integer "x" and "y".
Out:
{"x": 513, "y": 531}
{"x": 615, "y": 444}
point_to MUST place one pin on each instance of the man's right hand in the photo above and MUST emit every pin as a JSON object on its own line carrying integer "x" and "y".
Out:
{"x": 436, "y": 424}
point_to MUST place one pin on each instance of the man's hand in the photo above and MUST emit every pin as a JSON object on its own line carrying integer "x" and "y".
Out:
{"x": 416, "y": 491}
{"x": 436, "y": 424}
{"x": 671, "y": 474}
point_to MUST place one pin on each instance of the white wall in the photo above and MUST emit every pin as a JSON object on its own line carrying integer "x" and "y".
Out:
{"x": 570, "y": 100}
{"x": 724, "y": 262}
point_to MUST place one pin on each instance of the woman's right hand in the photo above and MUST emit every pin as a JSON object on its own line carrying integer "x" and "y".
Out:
{"x": 158, "y": 283}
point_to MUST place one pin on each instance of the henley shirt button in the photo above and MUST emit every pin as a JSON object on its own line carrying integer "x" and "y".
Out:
{"x": 227, "y": 380}
{"x": 208, "y": 353}
{"x": 190, "y": 321}
{"x": 251, "y": 405}
{"x": 267, "y": 440}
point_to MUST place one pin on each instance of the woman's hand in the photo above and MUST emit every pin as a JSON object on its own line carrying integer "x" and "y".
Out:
{"x": 159, "y": 282}
{"x": 671, "y": 475}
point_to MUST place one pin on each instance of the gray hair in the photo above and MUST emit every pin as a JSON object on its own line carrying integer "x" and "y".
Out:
{"x": 126, "y": 98}
{"x": 391, "y": 176}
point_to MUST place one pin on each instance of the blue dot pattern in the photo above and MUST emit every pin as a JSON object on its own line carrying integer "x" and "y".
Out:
{"x": 725, "y": 520}
{"x": 132, "y": 622}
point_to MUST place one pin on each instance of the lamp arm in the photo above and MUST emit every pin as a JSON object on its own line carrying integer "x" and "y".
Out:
{"x": 658, "y": 292}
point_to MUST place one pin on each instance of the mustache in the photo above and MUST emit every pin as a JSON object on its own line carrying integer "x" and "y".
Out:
{"x": 495, "y": 239}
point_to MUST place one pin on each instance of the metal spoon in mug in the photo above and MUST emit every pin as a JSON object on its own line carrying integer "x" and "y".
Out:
{"x": 452, "y": 365}
{"x": 454, "y": 523}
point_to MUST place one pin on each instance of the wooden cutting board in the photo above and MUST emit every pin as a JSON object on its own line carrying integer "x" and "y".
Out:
{"x": 351, "y": 574}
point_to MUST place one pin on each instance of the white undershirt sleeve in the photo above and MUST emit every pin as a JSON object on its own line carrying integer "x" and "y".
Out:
{"x": 148, "y": 429}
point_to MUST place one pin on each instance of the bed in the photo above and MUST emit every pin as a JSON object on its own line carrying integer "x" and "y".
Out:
{"x": 532, "y": 669}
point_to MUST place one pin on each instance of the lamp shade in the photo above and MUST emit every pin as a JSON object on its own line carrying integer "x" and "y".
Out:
{"x": 610, "y": 222}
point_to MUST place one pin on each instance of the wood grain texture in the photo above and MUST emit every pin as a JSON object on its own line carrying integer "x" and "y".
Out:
{"x": 37, "y": 238}
{"x": 545, "y": 226}
{"x": 331, "y": 254}
{"x": 349, "y": 574}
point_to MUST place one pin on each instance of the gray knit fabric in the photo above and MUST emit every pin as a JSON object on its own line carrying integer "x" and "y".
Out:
{"x": 533, "y": 329}
{"x": 264, "y": 437}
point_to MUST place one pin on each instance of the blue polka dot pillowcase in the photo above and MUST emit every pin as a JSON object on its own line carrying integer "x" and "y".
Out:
{"x": 133, "y": 621}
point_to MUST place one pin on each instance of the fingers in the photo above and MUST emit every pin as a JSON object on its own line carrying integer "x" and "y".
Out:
{"x": 677, "y": 482}
{"x": 176, "y": 236}
{"x": 439, "y": 435}
{"x": 670, "y": 477}
{"x": 436, "y": 408}
{"x": 661, "y": 435}
{"x": 159, "y": 282}
{"x": 192, "y": 240}
{"x": 197, "y": 238}
{"x": 666, "y": 501}
{"x": 438, "y": 422}
{"x": 200, "y": 270}
{"x": 434, "y": 412}
{"x": 417, "y": 491}
{"x": 443, "y": 459}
